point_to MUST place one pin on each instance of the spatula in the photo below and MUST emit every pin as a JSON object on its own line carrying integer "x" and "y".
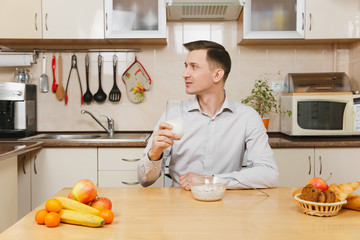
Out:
{"x": 60, "y": 88}
{"x": 44, "y": 80}
{"x": 115, "y": 94}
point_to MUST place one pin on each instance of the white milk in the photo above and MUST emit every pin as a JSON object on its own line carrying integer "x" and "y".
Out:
{"x": 178, "y": 127}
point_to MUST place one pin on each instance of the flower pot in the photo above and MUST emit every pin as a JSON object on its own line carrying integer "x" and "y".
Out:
{"x": 266, "y": 122}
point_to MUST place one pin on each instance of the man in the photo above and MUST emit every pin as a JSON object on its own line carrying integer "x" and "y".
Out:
{"x": 217, "y": 130}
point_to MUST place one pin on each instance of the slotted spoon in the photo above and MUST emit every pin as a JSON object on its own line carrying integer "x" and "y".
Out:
{"x": 115, "y": 94}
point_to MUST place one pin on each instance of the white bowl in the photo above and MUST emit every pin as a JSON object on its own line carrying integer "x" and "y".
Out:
{"x": 208, "y": 188}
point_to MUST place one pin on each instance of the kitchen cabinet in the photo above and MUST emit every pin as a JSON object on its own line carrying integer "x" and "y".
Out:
{"x": 8, "y": 186}
{"x": 331, "y": 19}
{"x": 118, "y": 167}
{"x": 20, "y": 19}
{"x": 135, "y": 19}
{"x": 49, "y": 170}
{"x": 81, "y": 19}
{"x": 273, "y": 19}
{"x": 298, "y": 165}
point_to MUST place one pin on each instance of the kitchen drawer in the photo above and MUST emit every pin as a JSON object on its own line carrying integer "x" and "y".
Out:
{"x": 119, "y": 158}
{"x": 123, "y": 179}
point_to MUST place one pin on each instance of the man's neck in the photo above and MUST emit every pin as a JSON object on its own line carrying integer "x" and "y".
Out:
{"x": 210, "y": 104}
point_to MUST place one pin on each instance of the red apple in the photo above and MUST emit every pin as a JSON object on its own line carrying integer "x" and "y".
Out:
{"x": 70, "y": 196}
{"x": 102, "y": 203}
{"x": 318, "y": 183}
{"x": 84, "y": 191}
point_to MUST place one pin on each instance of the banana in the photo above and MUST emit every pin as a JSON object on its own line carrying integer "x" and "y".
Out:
{"x": 80, "y": 218}
{"x": 74, "y": 205}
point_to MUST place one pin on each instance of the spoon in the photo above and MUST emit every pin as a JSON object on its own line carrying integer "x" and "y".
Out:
{"x": 100, "y": 95}
{"x": 60, "y": 88}
{"x": 87, "y": 96}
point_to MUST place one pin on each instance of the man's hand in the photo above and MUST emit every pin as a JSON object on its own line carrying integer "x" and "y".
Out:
{"x": 162, "y": 139}
{"x": 183, "y": 182}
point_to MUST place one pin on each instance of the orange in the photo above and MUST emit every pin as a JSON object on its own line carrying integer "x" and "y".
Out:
{"x": 40, "y": 216}
{"x": 52, "y": 219}
{"x": 107, "y": 215}
{"x": 53, "y": 205}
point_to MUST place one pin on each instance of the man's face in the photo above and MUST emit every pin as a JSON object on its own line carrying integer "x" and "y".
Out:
{"x": 197, "y": 75}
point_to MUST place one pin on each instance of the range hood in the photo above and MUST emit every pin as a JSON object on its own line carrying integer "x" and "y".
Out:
{"x": 203, "y": 9}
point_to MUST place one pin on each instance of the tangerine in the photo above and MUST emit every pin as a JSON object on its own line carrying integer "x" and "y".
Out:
{"x": 107, "y": 215}
{"x": 40, "y": 216}
{"x": 53, "y": 205}
{"x": 52, "y": 219}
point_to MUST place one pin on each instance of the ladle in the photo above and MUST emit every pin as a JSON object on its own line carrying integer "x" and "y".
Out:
{"x": 100, "y": 95}
{"x": 88, "y": 97}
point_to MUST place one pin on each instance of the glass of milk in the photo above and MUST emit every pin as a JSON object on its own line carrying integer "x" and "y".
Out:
{"x": 174, "y": 116}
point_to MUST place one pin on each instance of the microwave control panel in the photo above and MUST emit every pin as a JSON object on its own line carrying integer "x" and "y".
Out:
{"x": 357, "y": 115}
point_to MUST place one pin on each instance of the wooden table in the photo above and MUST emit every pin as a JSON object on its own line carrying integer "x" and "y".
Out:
{"x": 172, "y": 213}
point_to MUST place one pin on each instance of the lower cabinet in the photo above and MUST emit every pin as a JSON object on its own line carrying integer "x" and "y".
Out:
{"x": 8, "y": 186}
{"x": 118, "y": 167}
{"x": 48, "y": 170}
{"x": 298, "y": 165}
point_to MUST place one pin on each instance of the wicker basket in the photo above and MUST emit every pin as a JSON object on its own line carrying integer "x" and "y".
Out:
{"x": 319, "y": 209}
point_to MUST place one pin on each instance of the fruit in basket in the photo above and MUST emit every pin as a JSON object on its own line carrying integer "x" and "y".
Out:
{"x": 70, "y": 196}
{"x": 318, "y": 183}
{"x": 74, "y": 205}
{"x": 84, "y": 191}
{"x": 81, "y": 218}
{"x": 102, "y": 203}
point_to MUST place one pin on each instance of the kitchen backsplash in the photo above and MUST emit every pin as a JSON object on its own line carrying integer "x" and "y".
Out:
{"x": 165, "y": 65}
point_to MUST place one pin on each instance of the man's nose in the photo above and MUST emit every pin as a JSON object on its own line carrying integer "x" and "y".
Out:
{"x": 185, "y": 73}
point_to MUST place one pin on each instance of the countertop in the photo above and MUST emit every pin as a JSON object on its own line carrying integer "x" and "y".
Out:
{"x": 172, "y": 213}
{"x": 11, "y": 147}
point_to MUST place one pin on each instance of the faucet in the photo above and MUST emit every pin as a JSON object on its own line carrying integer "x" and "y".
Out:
{"x": 110, "y": 121}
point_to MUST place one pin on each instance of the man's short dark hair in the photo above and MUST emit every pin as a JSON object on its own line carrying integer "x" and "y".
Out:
{"x": 216, "y": 54}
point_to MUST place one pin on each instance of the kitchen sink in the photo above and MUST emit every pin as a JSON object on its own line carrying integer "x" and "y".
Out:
{"x": 66, "y": 136}
{"x": 90, "y": 137}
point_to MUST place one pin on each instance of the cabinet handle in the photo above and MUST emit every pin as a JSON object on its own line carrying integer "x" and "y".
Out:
{"x": 24, "y": 158}
{"x": 106, "y": 22}
{"x": 310, "y": 22}
{"x": 309, "y": 164}
{"x": 320, "y": 159}
{"x": 130, "y": 183}
{"x": 46, "y": 27}
{"x": 131, "y": 160}
{"x": 35, "y": 171}
{"x": 303, "y": 21}
{"x": 36, "y": 22}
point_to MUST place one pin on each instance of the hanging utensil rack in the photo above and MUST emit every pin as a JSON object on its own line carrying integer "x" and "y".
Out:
{"x": 61, "y": 50}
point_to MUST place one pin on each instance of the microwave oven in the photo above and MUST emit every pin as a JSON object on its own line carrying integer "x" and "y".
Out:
{"x": 321, "y": 114}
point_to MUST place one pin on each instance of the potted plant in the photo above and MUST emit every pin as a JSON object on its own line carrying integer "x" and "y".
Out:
{"x": 263, "y": 100}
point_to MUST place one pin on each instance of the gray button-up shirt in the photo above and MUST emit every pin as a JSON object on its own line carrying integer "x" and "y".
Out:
{"x": 216, "y": 146}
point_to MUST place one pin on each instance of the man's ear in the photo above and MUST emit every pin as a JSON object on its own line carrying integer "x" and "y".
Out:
{"x": 218, "y": 75}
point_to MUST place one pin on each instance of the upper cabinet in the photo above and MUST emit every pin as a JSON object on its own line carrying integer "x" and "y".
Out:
{"x": 67, "y": 19}
{"x": 299, "y": 19}
{"x": 135, "y": 19}
{"x": 20, "y": 19}
{"x": 273, "y": 19}
{"x": 332, "y": 19}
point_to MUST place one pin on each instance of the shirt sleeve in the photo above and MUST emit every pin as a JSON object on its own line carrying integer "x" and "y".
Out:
{"x": 149, "y": 171}
{"x": 261, "y": 171}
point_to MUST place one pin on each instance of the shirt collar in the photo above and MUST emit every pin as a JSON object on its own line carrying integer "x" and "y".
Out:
{"x": 227, "y": 105}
